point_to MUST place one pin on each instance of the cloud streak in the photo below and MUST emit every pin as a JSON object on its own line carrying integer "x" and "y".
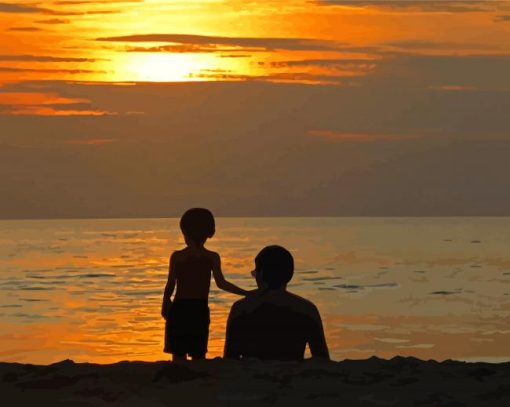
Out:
{"x": 42, "y": 58}
{"x": 417, "y": 44}
{"x": 45, "y": 104}
{"x": 325, "y": 63}
{"x": 25, "y": 29}
{"x": 415, "y": 5}
{"x": 53, "y": 21}
{"x": 85, "y": 2}
{"x": 266, "y": 43}
{"x": 52, "y": 71}
{"x": 336, "y": 136}
{"x": 283, "y": 77}
{"x": 193, "y": 48}
{"x": 17, "y": 8}
{"x": 503, "y": 18}
{"x": 90, "y": 142}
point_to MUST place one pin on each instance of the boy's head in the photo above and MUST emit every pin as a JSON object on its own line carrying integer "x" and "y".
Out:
{"x": 274, "y": 267}
{"x": 197, "y": 225}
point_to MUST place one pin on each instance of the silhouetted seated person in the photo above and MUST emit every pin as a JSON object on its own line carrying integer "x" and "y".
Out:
{"x": 273, "y": 323}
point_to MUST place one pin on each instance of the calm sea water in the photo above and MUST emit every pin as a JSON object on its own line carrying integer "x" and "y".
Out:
{"x": 90, "y": 290}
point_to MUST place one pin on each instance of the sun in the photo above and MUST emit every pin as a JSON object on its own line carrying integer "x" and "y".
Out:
{"x": 163, "y": 67}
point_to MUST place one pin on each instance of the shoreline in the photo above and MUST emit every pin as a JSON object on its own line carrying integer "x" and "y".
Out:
{"x": 400, "y": 381}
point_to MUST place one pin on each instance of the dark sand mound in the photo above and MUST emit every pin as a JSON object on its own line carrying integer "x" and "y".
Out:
{"x": 372, "y": 382}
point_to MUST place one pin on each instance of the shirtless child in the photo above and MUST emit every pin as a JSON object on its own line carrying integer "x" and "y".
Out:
{"x": 187, "y": 318}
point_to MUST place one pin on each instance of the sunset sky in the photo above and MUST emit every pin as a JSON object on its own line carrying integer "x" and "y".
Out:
{"x": 290, "y": 107}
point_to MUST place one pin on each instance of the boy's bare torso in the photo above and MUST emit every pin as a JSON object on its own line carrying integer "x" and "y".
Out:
{"x": 192, "y": 268}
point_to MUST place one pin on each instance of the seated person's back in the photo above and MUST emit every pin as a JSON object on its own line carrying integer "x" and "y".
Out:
{"x": 273, "y": 323}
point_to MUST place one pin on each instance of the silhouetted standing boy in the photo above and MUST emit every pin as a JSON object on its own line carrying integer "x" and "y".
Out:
{"x": 274, "y": 323}
{"x": 187, "y": 318}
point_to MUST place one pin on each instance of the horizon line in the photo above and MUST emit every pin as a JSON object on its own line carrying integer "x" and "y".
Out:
{"x": 258, "y": 217}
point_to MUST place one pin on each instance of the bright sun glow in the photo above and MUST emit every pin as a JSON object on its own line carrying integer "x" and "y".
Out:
{"x": 164, "y": 67}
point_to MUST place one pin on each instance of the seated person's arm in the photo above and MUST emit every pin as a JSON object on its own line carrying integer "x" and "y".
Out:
{"x": 232, "y": 337}
{"x": 220, "y": 279}
{"x": 316, "y": 338}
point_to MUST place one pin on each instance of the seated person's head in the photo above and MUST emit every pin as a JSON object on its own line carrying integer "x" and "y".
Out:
{"x": 197, "y": 225}
{"x": 274, "y": 267}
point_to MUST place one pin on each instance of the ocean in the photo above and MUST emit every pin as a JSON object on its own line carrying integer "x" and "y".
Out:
{"x": 90, "y": 290}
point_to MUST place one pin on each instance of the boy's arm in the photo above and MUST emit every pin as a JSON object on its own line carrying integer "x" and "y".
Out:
{"x": 169, "y": 288}
{"x": 231, "y": 350}
{"x": 316, "y": 339}
{"x": 220, "y": 279}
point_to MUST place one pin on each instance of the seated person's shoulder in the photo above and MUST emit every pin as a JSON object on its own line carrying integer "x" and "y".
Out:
{"x": 249, "y": 303}
{"x": 239, "y": 307}
{"x": 292, "y": 302}
{"x": 302, "y": 305}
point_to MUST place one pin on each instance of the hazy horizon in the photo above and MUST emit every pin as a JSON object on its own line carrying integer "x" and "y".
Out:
{"x": 260, "y": 217}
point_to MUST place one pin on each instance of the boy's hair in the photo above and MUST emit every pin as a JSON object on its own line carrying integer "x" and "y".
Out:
{"x": 277, "y": 265}
{"x": 198, "y": 224}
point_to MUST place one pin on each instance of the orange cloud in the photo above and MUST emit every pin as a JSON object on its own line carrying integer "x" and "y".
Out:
{"x": 45, "y": 104}
{"x": 358, "y": 137}
{"x": 90, "y": 142}
{"x": 453, "y": 88}
{"x": 28, "y": 98}
{"x": 49, "y": 111}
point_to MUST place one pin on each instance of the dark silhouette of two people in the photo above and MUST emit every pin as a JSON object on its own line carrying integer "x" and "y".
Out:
{"x": 270, "y": 323}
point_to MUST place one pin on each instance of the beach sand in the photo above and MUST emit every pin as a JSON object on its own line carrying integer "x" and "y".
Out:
{"x": 217, "y": 382}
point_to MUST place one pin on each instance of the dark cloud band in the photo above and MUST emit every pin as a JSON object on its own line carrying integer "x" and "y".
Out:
{"x": 296, "y": 44}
